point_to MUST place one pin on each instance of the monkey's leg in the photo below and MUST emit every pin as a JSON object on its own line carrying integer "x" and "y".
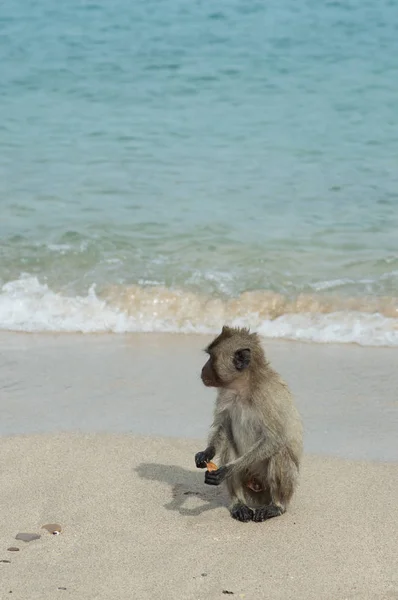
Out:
{"x": 238, "y": 508}
{"x": 282, "y": 478}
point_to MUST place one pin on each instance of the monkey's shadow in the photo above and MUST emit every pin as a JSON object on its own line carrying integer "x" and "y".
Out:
{"x": 184, "y": 485}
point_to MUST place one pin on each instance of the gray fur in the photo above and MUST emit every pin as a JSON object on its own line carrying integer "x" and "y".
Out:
{"x": 256, "y": 431}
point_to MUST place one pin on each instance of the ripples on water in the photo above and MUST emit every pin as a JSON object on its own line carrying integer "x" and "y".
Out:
{"x": 170, "y": 166}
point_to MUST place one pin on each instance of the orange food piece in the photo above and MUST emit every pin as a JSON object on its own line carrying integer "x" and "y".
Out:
{"x": 211, "y": 466}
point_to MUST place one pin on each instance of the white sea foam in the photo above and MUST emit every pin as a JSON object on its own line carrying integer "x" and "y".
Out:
{"x": 338, "y": 327}
{"x": 31, "y": 306}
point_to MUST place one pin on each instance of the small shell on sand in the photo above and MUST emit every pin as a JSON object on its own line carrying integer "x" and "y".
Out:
{"x": 13, "y": 549}
{"x": 53, "y": 528}
{"x": 27, "y": 537}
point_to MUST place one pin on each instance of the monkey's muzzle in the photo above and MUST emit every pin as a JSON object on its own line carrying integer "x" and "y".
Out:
{"x": 204, "y": 377}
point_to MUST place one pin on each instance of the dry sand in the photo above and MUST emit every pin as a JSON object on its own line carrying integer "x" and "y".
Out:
{"x": 138, "y": 522}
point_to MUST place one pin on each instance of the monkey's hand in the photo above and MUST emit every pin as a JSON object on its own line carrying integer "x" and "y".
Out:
{"x": 216, "y": 477}
{"x": 202, "y": 458}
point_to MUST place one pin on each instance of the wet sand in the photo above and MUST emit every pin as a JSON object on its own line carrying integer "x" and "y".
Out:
{"x": 138, "y": 521}
{"x": 149, "y": 385}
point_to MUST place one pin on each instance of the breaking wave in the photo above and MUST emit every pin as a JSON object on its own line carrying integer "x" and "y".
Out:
{"x": 30, "y": 306}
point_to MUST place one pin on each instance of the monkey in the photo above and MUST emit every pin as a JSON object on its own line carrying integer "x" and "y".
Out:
{"x": 256, "y": 431}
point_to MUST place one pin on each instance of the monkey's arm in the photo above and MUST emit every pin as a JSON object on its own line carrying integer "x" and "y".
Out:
{"x": 263, "y": 449}
{"x": 216, "y": 438}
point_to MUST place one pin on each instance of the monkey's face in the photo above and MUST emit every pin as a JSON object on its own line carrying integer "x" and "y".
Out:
{"x": 225, "y": 365}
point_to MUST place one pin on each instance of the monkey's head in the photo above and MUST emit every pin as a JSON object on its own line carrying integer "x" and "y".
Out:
{"x": 231, "y": 355}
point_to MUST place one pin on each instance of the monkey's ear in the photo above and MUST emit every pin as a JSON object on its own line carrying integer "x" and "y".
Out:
{"x": 242, "y": 359}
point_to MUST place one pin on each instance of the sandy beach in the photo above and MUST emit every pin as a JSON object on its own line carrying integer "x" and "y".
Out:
{"x": 139, "y": 523}
{"x": 99, "y": 434}
{"x": 168, "y": 168}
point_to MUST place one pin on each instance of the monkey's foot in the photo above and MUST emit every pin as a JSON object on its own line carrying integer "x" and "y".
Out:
{"x": 267, "y": 512}
{"x": 242, "y": 513}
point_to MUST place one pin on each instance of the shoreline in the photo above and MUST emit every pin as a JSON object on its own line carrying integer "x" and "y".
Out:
{"x": 186, "y": 334}
{"x": 26, "y": 304}
{"x": 181, "y": 334}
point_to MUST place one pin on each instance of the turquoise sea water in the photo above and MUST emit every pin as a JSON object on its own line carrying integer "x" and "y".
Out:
{"x": 175, "y": 165}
